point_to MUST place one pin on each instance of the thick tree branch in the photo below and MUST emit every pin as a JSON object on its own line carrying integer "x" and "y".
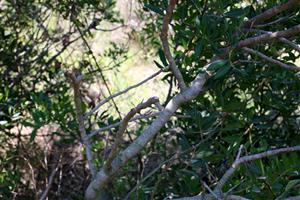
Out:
{"x": 124, "y": 123}
{"x": 96, "y": 186}
{"x": 103, "y": 177}
{"x": 164, "y": 39}
{"x": 292, "y": 4}
{"x": 271, "y": 60}
{"x": 76, "y": 79}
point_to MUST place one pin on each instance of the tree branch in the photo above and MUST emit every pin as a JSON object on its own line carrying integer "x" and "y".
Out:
{"x": 269, "y": 36}
{"x": 96, "y": 186}
{"x": 249, "y": 158}
{"x": 76, "y": 79}
{"x": 120, "y": 93}
{"x": 124, "y": 123}
{"x": 271, "y": 60}
{"x": 282, "y": 39}
{"x": 290, "y": 43}
{"x": 164, "y": 39}
{"x": 292, "y": 4}
{"x": 238, "y": 161}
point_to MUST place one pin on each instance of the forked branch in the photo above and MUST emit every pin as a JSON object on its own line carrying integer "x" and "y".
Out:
{"x": 124, "y": 123}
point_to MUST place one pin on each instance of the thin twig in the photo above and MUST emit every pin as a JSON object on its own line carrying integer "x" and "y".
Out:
{"x": 120, "y": 93}
{"x": 109, "y": 127}
{"x": 164, "y": 39}
{"x": 51, "y": 178}
{"x": 98, "y": 66}
{"x": 173, "y": 157}
{"x": 271, "y": 60}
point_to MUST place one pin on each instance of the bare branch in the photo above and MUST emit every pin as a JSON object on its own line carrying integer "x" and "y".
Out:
{"x": 164, "y": 39}
{"x": 249, "y": 158}
{"x": 271, "y": 60}
{"x": 292, "y": 4}
{"x": 293, "y": 198}
{"x": 269, "y": 36}
{"x": 282, "y": 39}
{"x": 139, "y": 117}
{"x": 290, "y": 43}
{"x": 172, "y": 158}
{"x": 51, "y": 178}
{"x": 273, "y": 22}
{"x": 210, "y": 191}
{"x": 120, "y": 93}
{"x": 109, "y": 127}
{"x": 97, "y": 185}
{"x": 76, "y": 79}
{"x": 238, "y": 161}
{"x": 235, "y": 197}
{"x": 119, "y": 134}
{"x": 98, "y": 66}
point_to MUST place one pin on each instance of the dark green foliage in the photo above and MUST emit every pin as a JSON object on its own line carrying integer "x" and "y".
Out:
{"x": 248, "y": 102}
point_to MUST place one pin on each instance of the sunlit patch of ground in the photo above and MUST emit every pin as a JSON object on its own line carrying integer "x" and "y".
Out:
{"x": 133, "y": 70}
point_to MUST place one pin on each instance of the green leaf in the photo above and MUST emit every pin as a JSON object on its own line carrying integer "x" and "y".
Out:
{"x": 3, "y": 122}
{"x": 184, "y": 143}
{"x": 33, "y": 135}
{"x": 154, "y": 8}
{"x": 235, "y": 13}
{"x": 158, "y": 65}
{"x": 162, "y": 57}
{"x": 204, "y": 154}
{"x": 222, "y": 72}
{"x": 292, "y": 184}
{"x": 198, "y": 48}
{"x": 216, "y": 65}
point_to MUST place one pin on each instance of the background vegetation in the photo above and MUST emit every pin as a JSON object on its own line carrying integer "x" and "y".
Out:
{"x": 249, "y": 104}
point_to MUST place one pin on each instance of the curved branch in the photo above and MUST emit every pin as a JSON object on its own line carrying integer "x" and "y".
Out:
{"x": 124, "y": 123}
{"x": 164, "y": 39}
